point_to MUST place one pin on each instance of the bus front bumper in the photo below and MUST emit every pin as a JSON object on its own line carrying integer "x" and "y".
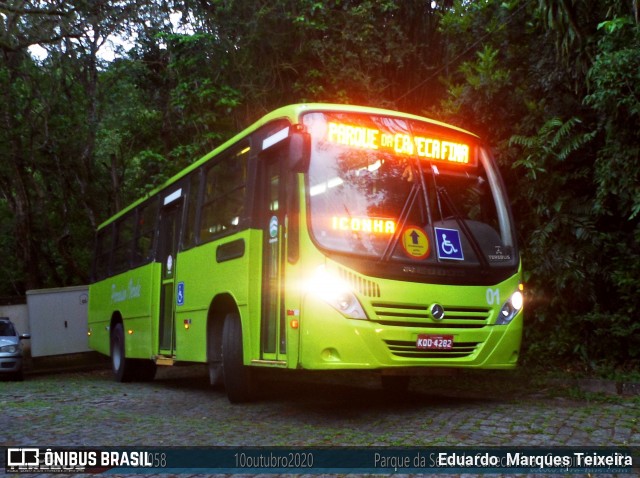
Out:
{"x": 329, "y": 341}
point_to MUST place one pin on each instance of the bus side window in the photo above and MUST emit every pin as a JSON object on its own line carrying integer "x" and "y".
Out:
{"x": 125, "y": 228}
{"x": 224, "y": 196}
{"x": 147, "y": 216}
{"x": 103, "y": 252}
{"x": 191, "y": 233}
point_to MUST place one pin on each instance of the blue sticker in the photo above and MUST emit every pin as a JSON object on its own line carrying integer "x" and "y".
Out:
{"x": 180, "y": 295}
{"x": 449, "y": 245}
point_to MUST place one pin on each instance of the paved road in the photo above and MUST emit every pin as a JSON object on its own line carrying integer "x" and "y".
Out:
{"x": 179, "y": 408}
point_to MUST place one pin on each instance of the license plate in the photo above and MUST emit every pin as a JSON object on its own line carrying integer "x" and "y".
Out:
{"x": 434, "y": 342}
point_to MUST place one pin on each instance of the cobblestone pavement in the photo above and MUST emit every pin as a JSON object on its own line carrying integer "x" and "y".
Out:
{"x": 180, "y": 408}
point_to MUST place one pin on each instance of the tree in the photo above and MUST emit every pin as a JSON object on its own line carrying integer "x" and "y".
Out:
{"x": 24, "y": 24}
{"x": 553, "y": 85}
{"x": 563, "y": 126}
{"x": 49, "y": 113}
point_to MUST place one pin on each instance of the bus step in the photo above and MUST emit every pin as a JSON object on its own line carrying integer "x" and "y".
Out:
{"x": 164, "y": 360}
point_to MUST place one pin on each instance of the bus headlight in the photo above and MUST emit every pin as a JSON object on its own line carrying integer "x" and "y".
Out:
{"x": 335, "y": 292}
{"x": 510, "y": 308}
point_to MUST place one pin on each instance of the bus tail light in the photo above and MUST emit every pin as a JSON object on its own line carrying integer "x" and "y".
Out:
{"x": 335, "y": 292}
{"x": 511, "y": 307}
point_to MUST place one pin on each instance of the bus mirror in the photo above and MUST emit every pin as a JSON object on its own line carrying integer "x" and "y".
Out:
{"x": 299, "y": 151}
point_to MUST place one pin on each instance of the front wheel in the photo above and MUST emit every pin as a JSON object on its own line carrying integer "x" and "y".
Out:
{"x": 237, "y": 376}
{"x": 216, "y": 374}
{"x": 214, "y": 354}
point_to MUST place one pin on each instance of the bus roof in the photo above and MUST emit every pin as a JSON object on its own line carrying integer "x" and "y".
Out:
{"x": 292, "y": 113}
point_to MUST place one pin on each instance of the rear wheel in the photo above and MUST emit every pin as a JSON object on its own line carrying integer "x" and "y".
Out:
{"x": 127, "y": 369}
{"x": 118, "y": 360}
{"x": 237, "y": 376}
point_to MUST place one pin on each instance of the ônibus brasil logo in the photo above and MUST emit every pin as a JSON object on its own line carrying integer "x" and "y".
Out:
{"x": 32, "y": 459}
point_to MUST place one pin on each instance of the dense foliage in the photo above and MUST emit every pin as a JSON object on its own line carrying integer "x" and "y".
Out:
{"x": 101, "y": 100}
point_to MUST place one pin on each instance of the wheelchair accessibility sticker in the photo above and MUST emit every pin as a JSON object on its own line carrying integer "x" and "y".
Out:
{"x": 449, "y": 244}
{"x": 180, "y": 294}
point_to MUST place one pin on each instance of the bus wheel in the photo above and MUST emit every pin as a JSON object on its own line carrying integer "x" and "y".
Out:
{"x": 214, "y": 357}
{"x": 123, "y": 368}
{"x": 216, "y": 373}
{"x": 237, "y": 376}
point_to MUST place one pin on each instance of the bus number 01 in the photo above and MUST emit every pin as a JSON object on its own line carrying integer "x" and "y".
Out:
{"x": 493, "y": 296}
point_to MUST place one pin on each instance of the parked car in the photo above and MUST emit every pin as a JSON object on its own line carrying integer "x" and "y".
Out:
{"x": 11, "y": 350}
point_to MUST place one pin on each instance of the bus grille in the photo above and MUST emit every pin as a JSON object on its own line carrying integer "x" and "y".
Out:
{"x": 363, "y": 286}
{"x": 404, "y": 349}
{"x": 415, "y": 315}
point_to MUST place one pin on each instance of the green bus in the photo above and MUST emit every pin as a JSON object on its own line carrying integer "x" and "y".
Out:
{"x": 322, "y": 237}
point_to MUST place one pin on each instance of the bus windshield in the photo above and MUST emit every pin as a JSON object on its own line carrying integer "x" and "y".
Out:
{"x": 399, "y": 190}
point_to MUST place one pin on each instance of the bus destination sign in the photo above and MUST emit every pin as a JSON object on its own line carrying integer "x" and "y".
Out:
{"x": 399, "y": 143}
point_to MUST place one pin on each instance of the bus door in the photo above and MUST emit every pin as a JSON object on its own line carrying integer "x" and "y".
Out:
{"x": 273, "y": 344}
{"x": 169, "y": 235}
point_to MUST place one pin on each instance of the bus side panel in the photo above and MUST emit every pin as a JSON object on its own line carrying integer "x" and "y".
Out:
{"x": 134, "y": 295}
{"x": 197, "y": 284}
{"x": 204, "y": 273}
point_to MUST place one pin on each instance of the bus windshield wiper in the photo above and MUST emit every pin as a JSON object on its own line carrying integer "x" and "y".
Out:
{"x": 402, "y": 220}
{"x": 418, "y": 186}
{"x": 442, "y": 192}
